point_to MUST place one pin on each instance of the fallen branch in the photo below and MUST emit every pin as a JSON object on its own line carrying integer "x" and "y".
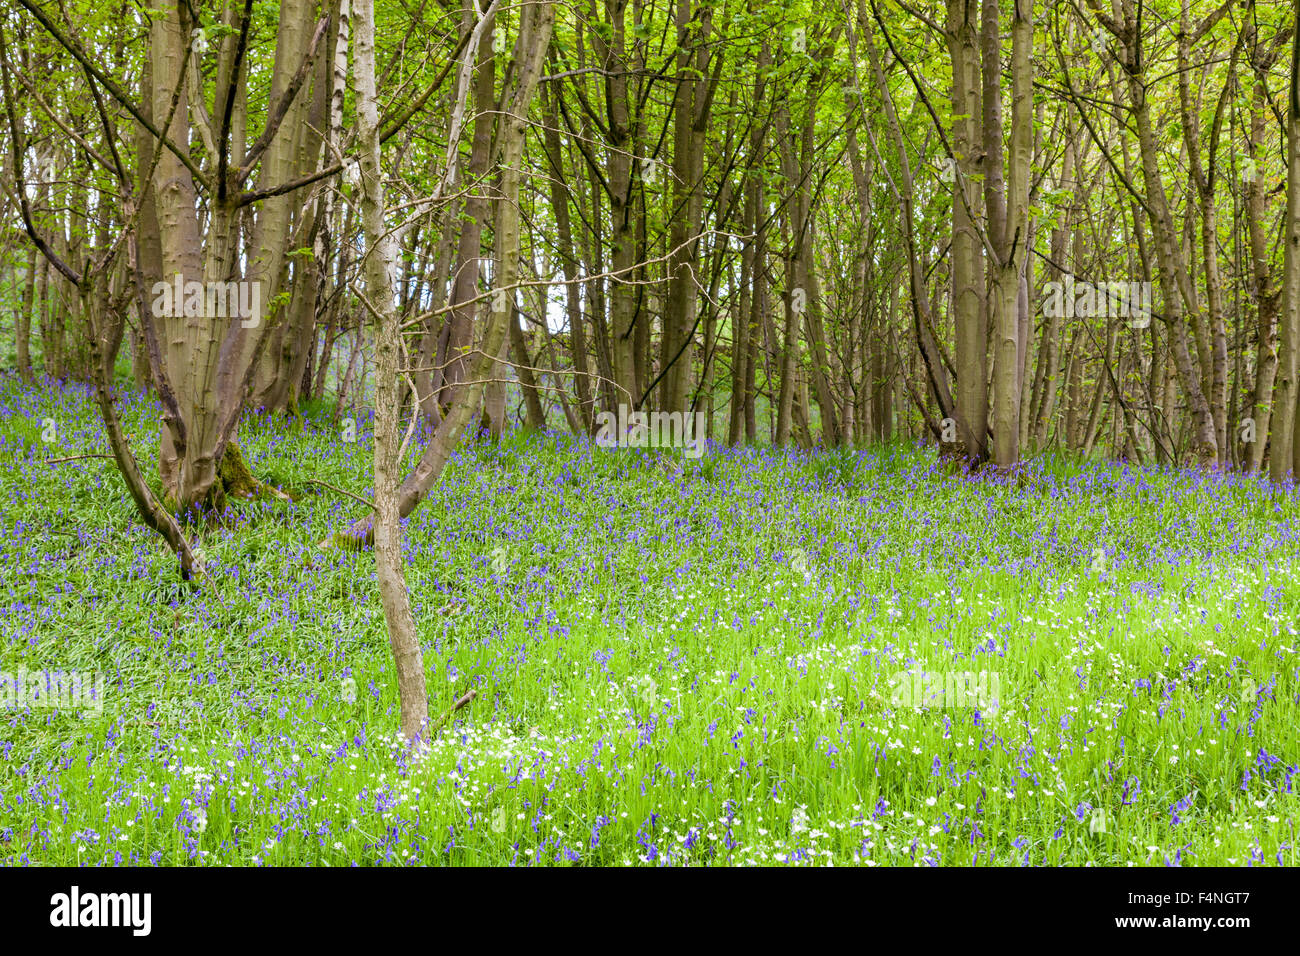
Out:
{"x": 437, "y": 725}
{"x": 326, "y": 484}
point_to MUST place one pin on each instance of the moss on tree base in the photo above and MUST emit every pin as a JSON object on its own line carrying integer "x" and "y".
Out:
{"x": 234, "y": 480}
{"x": 238, "y": 482}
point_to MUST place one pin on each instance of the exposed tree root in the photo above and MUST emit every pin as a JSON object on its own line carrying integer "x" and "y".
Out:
{"x": 238, "y": 482}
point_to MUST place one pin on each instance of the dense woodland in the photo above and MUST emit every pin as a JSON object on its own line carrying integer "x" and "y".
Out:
{"x": 1057, "y": 241}
{"x": 817, "y": 224}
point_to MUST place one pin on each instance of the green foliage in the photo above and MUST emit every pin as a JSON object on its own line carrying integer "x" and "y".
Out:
{"x": 726, "y": 634}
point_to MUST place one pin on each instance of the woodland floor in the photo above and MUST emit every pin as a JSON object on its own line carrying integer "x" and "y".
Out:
{"x": 677, "y": 662}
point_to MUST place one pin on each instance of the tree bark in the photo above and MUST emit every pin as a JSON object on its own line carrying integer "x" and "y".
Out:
{"x": 381, "y": 262}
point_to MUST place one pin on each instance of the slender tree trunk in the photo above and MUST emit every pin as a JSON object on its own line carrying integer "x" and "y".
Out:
{"x": 23, "y": 321}
{"x": 1008, "y": 204}
{"x": 454, "y": 357}
{"x": 530, "y": 51}
{"x": 1281, "y": 463}
{"x": 1266, "y": 301}
{"x": 970, "y": 315}
{"x": 380, "y": 264}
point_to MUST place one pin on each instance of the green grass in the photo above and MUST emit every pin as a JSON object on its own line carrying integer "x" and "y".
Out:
{"x": 692, "y": 659}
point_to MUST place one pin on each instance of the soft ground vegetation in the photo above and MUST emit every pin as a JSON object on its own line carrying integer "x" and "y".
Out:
{"x": 675, "y": 661}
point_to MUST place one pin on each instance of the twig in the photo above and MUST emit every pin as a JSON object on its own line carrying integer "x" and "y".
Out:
{"x": 326, "y": 484}
{"x": 438, "y": 724}
{"x": 55, "y": 461}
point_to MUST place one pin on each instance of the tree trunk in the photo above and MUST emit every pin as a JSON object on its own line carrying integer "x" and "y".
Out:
{"x": 1281, "y": 464}
{"x": 530, "y": 51}
{"x": 380, "y": 264}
